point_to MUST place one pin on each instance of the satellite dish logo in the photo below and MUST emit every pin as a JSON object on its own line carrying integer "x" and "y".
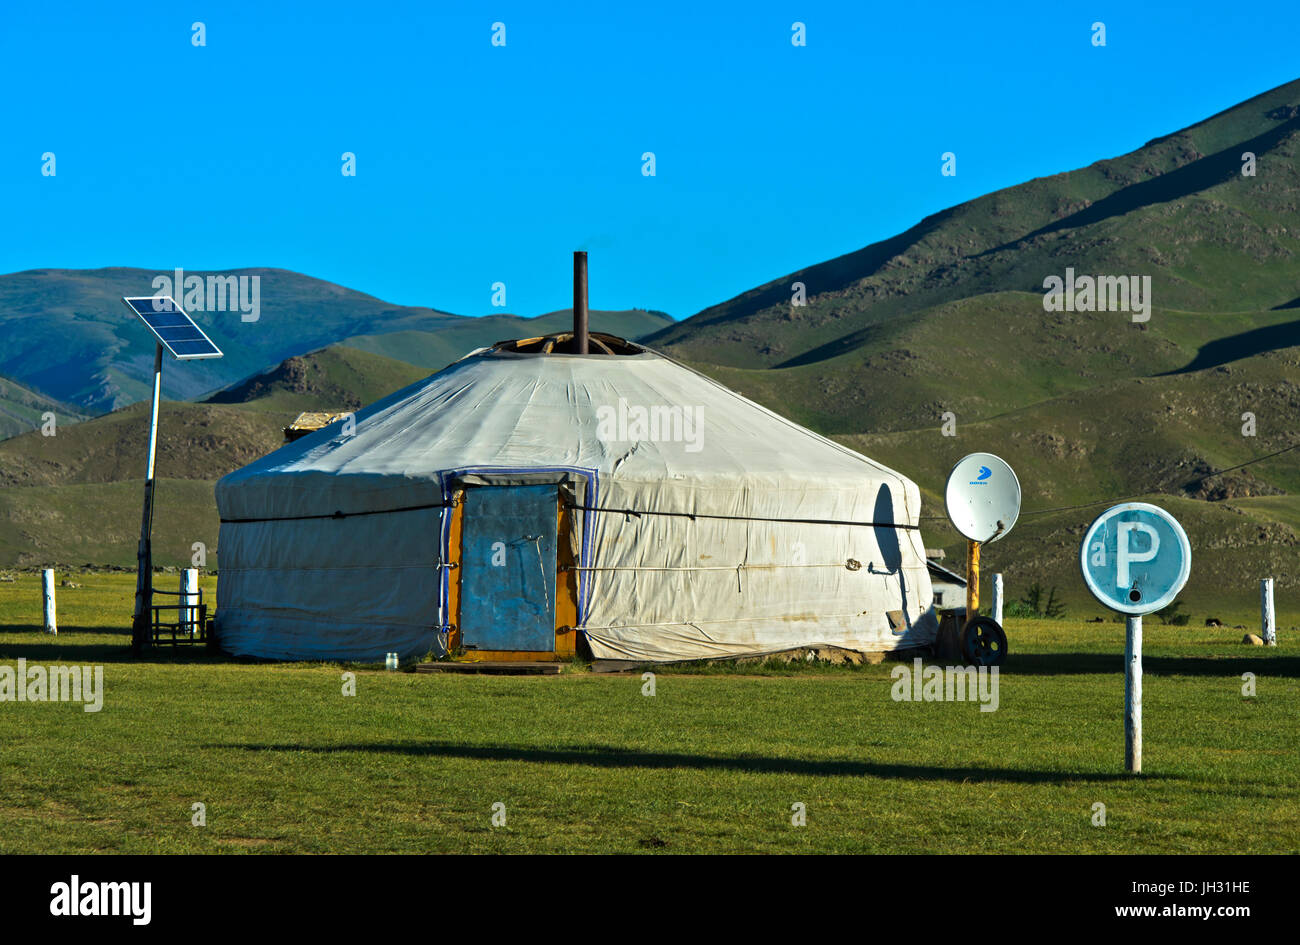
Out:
{"x": 985, "y": 472}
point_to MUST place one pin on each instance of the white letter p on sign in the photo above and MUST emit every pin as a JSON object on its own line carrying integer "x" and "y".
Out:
{"x": 1124, "y": 553}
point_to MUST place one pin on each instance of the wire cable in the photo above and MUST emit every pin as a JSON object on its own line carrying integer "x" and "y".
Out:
{"x": 1137, "y": 495}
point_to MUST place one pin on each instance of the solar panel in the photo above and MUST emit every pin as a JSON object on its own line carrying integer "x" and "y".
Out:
{"x": 174, "y": 329}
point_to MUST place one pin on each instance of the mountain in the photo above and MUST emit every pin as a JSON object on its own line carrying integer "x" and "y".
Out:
{"x": 74, "y": 497}
{"x": 67, "y": 334}
{"x": 23, "y": 409}
{"x": 1179, "y": 209}
{"x": 209, "y": 439}
{"x": 948, "y": 321}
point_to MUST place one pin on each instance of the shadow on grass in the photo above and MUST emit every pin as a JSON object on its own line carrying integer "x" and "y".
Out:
{"x": 68, "y": 629}
{"x": 47, "y": 649}
{"x": 1074, "y": 664}
{"x": 608, "y": 756}
{"x": 111, "y": 646}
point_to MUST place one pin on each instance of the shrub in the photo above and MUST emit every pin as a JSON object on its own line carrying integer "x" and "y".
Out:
{"x": 1033, "y": 605}
{"x": 1018, "y": 608}
{"x": 1172, "y": 614}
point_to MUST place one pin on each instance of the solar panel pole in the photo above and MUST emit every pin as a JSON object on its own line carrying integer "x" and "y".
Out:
{"x": 140, "y": 625}
{"x": 174, "y": 330}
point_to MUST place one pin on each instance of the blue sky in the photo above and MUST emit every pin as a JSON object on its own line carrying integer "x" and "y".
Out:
{"x": 478, "y": 164}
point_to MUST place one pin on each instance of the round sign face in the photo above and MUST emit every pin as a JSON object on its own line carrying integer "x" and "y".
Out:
{"x": 982, "y": 497}
{"x": 1135, "y": 558}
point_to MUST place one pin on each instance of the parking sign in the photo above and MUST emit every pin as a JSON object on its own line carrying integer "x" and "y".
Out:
{"x": 1135, "y": 558}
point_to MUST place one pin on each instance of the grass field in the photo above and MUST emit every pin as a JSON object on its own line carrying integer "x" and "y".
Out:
{"x": 713, "y": 762}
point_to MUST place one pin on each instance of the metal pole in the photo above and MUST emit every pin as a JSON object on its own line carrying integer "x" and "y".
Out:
{"x": 1133, "y": 695}
{"x": 144, "y": 553}
{"x": 972, "y": 579}
{"x": 580, "y": 302}
{"x": 1267, "y": 615}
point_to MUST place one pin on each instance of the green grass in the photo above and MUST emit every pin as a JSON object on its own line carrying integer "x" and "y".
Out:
{"x": 585, "y": 763}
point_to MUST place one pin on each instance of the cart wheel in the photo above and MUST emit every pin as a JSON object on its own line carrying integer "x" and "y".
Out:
{"x": 983, "y": 642}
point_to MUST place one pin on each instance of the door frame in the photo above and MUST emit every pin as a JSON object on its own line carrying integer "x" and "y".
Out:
{"x": 572, "y": 589}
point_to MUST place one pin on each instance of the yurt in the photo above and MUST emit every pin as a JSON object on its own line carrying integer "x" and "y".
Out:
{"x": 531, "y": 502}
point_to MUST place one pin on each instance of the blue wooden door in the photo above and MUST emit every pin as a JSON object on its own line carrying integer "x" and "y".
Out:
{"x": 508, "y": 556}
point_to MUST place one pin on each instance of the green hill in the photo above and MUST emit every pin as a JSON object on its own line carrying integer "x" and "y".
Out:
{"x": 435, "y": 350}
{"x": 1177, "y": 209}
{"x": 195, "y": 441}
{"x": 23, "y": 409}
{"x": 1149, "y": 439}
{"x": 334, "y": 378}
{"x": 949, "y": 318}
{"x": 74, "y": 498}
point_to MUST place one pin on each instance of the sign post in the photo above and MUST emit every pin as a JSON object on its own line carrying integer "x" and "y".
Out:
{"x": 1135, "y": 558}
{"x": 1133, "y": 694}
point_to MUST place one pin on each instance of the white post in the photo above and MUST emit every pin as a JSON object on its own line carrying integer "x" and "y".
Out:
{"x": 1133, "y": 695}
{"x": 1267, "y": 616}
{"x": 190, "y": 599}
{"x": 47, "y": 584}
{"x": 997, "y": 598}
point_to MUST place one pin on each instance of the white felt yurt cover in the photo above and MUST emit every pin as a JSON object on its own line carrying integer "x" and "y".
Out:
{"x": 707, "y": 526}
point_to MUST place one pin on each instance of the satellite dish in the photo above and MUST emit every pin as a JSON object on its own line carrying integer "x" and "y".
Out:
{"x": 982, "y": 497}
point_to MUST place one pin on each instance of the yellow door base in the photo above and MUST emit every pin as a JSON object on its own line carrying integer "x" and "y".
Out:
{"x": 507, "y": 656}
